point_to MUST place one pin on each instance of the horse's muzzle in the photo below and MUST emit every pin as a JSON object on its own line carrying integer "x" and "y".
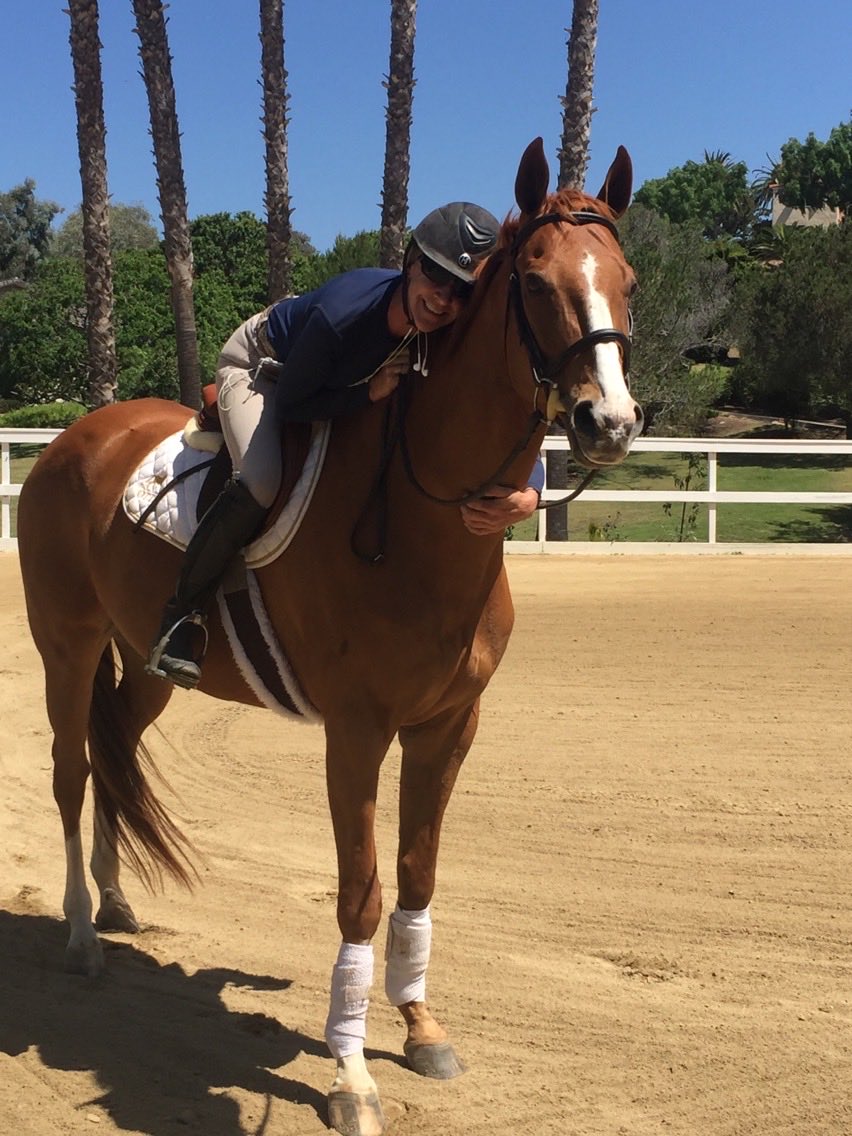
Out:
{"x": 600, "y": 436}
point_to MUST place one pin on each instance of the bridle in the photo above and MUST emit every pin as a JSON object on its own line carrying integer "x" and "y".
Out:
{"x": 542, "y": 371}
{"x": 542, "y": 374}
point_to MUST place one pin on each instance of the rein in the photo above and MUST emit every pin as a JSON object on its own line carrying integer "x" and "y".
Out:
{"x": 542, "y": 375}
{"x": 536, "y": 420}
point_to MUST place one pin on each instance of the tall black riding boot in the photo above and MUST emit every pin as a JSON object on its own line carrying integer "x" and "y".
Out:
{"x": 229, "y": 524}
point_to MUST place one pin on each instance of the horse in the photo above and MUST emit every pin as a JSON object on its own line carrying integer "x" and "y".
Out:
{"x": 398, "y": 640}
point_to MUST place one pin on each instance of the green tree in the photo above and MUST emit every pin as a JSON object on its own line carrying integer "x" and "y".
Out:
{"x": 811, "y": 174}
{"x": 24, "y": 230}
{"x": 131, "y": 227}
{"x": 234, "y": 245}
{"x": 714, "y": 193}
{"x": 794, "y": 326}
{"x": 360, "y": 251}
{"x": 683, "y": 301}
{"x": 43, "y": 351}
{"x": 42, "y": 329}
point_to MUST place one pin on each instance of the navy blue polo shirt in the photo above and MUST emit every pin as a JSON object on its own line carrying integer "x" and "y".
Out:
{"x": 331, "y": 341}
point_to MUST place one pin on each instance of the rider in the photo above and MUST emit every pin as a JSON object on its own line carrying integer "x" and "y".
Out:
{"x": 319, "y": 356}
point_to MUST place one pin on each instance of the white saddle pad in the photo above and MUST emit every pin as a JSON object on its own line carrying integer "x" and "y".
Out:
{"x": 173, "y": 517}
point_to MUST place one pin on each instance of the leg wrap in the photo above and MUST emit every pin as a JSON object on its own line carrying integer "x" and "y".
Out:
{"x": 351, "y": 979}
{"x": 407, "y": 955}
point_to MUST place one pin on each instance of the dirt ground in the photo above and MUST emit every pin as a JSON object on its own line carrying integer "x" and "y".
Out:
{"x": 643, "y": 922}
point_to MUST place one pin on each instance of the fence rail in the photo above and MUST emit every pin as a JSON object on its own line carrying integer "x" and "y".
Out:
{"x": 712, "y": 496}
{"x": 10, "y": 489}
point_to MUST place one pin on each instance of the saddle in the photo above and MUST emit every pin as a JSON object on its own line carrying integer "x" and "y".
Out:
{"x": 179, "y": 480}
{"x": 175, "y": 485}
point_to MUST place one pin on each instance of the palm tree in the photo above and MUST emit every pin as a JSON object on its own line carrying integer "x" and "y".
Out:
{"x": 573, "y": 156}
{"x": 91, "y": 145}
{"x": 577, "y": 107}
{"x": 157, "y": 72}
{"x": 400, "y": 88}
{"x": 279, "y": 232}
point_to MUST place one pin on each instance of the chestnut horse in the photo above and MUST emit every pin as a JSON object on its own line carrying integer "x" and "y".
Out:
{"x": 403, "y": 646}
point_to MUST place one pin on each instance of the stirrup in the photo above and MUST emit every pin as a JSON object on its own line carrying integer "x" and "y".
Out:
{"x": 153, "y": 667}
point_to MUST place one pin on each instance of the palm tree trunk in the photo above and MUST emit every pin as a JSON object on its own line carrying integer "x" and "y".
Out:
{"x": 577, "y": 113}
{"x": 157, "y": 72}
{"x": 400, "y": 88}
{"x": 577, "y": 107}
{"x": 91, "y": 145}
{"x": 279, "y": 232}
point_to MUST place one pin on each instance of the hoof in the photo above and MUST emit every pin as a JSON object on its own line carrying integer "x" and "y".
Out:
{"x": 438, "y": 1061}
{"x": 116, "y": 914}
{"x": 85, "y": 958}
{"x": 355, "y": 1114}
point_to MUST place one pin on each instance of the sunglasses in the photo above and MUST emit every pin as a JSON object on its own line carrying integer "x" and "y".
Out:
{"x": 439, "y": 276}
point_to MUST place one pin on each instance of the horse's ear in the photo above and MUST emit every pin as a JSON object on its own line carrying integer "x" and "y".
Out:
{"x": 618, "y": 183}
{"x": 533, "y": 178}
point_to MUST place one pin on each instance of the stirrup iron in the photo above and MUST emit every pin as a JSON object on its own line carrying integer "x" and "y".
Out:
{"x": 152, "y": 667}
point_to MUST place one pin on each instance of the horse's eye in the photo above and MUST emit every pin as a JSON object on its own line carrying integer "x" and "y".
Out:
{"x": 536, "y": 284}
{"x": 634, "y": 288}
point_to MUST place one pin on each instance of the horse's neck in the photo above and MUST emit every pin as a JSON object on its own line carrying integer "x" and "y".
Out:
{"x": 467, "y": 416}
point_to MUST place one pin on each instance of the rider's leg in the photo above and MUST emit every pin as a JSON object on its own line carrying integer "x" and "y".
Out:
{"x": 246, "y": 411}
{"x": 230, "y": 522}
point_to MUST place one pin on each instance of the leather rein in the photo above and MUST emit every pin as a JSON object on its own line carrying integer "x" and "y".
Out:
{"x": 542, "y": 374}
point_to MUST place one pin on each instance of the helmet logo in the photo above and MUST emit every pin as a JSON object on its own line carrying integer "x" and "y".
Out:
{"x": 465, "y": 260}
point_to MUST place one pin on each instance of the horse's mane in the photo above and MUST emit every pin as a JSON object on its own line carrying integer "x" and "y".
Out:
{"x": 563, "y": 201}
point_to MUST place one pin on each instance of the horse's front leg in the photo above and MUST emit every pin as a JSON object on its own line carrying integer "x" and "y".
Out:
{"x": 432, "y": 754}
{"x": 353, "y": 758}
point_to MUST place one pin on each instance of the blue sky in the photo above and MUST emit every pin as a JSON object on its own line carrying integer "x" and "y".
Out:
{"x": 673, "y": 78}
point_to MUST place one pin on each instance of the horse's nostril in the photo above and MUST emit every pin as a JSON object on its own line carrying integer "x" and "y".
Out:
{"x": 583, "y": 418}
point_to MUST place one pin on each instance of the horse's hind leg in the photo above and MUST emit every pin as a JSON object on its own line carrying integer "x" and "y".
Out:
{"x": 140, "y": 699}
{"x": 69, "y": 678}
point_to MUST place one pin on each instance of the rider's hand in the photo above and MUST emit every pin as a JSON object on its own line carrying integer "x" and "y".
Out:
{"x": 500, "y": 507}
{"x": 385, "y": 380}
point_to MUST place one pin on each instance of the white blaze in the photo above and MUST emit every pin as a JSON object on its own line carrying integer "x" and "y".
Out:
{"x": 617, "y": 402}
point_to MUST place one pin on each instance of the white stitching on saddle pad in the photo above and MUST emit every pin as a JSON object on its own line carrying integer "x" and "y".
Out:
{"x": 173, "y": 518}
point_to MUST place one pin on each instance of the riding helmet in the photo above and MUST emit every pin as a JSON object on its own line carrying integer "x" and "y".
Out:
{"x": 457, "y": 236}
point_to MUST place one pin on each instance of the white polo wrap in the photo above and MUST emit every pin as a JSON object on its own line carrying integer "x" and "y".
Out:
{"x": 351, "y": 979}
{"x": 407, "y": 955}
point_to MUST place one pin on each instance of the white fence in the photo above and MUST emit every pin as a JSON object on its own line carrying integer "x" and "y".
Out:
{"x": 711, "y": 496}
{"x": 8, "y": 488}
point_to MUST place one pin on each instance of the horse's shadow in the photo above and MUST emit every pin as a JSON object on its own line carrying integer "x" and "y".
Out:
{"x": 162, "y": 1044}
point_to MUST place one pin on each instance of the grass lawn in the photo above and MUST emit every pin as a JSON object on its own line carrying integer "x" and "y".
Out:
{"x": 735, "y": 524}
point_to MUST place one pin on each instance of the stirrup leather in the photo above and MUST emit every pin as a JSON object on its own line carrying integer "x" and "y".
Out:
{"x": 152, "y": 667}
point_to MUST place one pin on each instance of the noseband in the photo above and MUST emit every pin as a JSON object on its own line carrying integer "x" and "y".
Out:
{"x": 544, "y": 373}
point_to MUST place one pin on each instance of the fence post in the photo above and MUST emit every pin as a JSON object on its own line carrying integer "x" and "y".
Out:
{"x": 556, "y": 465}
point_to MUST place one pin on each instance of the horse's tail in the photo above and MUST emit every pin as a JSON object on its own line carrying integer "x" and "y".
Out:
{"x": 133, "y": 818}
